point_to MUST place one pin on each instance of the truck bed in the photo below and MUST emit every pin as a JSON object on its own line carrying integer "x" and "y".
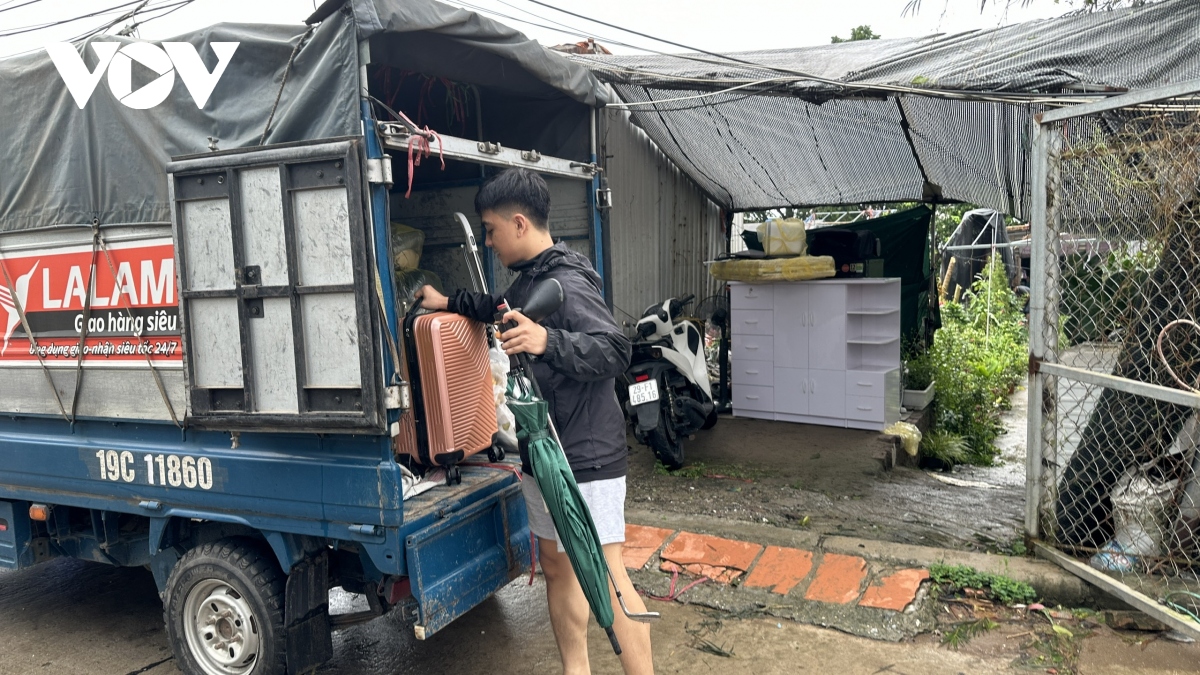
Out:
{"x": 474, "y": 478}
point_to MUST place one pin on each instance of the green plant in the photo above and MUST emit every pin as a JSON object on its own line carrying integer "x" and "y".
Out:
{"x": 1100, "y": 293}
{"x": 1002, "y": 588}
{"x": 919, "y": 371}
{"x": 980, "y": 354}
{"x": 962, "y": 633}
{"x": 945, "y": 446}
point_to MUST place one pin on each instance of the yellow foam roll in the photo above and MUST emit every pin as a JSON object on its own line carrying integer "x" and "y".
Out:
{"x": 799, "y": 268}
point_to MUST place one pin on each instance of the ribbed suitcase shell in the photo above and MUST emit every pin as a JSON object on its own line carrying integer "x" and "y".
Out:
{"x": 455, "y": 381}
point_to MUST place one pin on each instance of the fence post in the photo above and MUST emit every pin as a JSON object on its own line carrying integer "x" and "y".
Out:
{"x": 1039, "y": 163}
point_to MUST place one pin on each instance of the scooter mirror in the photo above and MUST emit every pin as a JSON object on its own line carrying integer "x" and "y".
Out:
{"x": 544, "y": 300}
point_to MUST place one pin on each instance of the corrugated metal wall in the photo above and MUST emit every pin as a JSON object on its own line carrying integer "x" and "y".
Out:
{"x": 661, "y": 226}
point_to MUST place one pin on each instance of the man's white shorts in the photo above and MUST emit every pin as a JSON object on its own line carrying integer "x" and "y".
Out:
{"x": 605, "y": 499}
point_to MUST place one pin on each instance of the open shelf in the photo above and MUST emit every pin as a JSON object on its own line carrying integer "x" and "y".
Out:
{"x": 870, "y": 340}
{"x": 871, "y": 367}
{"x": 882, "y": 311}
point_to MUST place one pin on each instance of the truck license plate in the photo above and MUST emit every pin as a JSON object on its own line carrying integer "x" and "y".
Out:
{"x": 643, "y": 392}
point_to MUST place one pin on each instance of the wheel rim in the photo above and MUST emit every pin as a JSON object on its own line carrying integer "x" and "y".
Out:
{"x": 220, "y": 628}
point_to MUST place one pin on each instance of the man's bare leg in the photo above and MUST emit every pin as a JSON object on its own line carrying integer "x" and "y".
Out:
{"x": 568, "y": 608}
{"x": 636, "y": 656}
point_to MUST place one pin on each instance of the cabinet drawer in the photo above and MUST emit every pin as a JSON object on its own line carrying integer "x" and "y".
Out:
{"x": 751, "y": 296}
{"x": 753, "y": 398}
{"x": 752, "y": 372}
{"x": 866, "y": 408}
{"x": 751, "y": 322}
{"x": 865, "y": 383}
{"x": 752, "y": 348}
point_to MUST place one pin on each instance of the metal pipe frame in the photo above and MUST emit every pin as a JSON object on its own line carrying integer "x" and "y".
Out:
{"x": 1043, "y": 337}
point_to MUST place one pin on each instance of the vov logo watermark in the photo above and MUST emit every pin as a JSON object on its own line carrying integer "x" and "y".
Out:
{"x": 166, "y": 61}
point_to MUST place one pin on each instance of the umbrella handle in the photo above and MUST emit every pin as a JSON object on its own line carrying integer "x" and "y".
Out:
{"x": 640, "y": 617}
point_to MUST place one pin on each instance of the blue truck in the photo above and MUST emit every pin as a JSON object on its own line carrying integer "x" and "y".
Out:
{"x": 204, "y": 369}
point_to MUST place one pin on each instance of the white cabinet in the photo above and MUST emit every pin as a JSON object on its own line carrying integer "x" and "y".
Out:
{"x": 818, "y": 352}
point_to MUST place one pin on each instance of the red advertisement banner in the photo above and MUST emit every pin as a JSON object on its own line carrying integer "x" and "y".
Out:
{"x": 131, "y": 302}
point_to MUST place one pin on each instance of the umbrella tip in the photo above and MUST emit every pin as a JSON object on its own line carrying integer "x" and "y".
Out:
{"x": 612, "y": 637}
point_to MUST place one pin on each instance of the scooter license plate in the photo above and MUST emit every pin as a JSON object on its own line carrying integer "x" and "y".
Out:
{"x": 643, "y": 392}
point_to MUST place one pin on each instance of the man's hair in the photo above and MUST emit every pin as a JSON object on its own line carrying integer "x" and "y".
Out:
{"x": 520, "y": 190}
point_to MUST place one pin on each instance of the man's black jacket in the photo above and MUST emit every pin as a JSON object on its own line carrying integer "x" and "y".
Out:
{"x": 585, "y": 351}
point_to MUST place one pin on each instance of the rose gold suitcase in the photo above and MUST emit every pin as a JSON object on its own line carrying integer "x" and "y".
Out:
{"x": 451, "y": 382}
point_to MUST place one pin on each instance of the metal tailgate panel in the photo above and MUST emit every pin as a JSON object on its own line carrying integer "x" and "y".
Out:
{"x": 277, "y": 299}
{"x": 462, "y": 559}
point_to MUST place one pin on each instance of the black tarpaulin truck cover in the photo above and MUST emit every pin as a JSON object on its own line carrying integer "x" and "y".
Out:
{"x": 70, "y": 164}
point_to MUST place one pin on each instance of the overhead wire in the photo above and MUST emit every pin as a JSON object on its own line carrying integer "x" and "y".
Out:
{"x": 51, "y": 24}
{"x": 5, "y": 7}
{"x": 169, "y": 6}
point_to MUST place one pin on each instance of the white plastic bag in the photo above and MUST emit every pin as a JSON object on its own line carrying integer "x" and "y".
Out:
{"x": 782, "y": 237}
{"x": 506, "y": 423}
{"x": 1140, "y": 516}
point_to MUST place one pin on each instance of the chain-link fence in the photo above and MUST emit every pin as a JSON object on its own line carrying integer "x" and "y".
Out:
{"x": 1115, "y": 467}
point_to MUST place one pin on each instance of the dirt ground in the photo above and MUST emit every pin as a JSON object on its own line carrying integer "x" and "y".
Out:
{"x": 74, "y": 618}
{"x": 829, "y": 481}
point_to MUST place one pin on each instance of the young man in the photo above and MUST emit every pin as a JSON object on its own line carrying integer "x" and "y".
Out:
{"x": 577, "y": 352}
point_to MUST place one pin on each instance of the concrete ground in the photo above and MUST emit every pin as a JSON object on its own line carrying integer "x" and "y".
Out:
{"x": 831, "y": 481}
{"x": 73, "y": 618}
{"x": 797, "y": 527}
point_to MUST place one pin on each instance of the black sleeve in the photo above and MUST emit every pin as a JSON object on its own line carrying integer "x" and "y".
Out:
{"x": 587, "y": 345}
{"x": 478, "y": 306}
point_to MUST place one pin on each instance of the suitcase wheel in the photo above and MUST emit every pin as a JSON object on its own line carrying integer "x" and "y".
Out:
{"x": 453, "y": 476}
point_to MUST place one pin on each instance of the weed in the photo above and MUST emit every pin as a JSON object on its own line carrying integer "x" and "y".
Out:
{"x": 948, "y": 447}
{"x": 705, "y": 470}
{"x": 700, "y": 637}
{"x": 1007, "y": 591}
{"x": 962, "y": 633}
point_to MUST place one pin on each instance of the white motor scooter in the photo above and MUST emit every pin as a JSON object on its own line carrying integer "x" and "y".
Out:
{"x": 668, "y": 395}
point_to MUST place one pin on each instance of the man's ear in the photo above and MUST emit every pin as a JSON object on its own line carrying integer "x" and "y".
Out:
{"x": 522, "y": 224}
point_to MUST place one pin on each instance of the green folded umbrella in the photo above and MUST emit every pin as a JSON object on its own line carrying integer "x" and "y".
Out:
{"x": 548, "y": 463}
{"x": 570, "y": 513}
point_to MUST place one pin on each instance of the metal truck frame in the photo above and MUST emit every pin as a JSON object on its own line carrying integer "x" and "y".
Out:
{"x": 278, "y": 479}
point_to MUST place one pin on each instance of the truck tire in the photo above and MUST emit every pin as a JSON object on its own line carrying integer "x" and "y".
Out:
{"x": 223, "y": 607}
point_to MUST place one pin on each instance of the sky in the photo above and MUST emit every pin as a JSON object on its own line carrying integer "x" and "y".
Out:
{"x": 705, "y": 24}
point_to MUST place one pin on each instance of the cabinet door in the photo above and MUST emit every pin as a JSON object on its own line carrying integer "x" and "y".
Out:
{"x": 791, "y": 390}
{"x": 792, "y": 320}
{"x": 827, "y": 333}
{"x": 827, "y": 393}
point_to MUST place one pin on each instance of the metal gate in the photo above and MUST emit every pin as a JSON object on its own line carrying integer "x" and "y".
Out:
{"x": 1113, "y": 491}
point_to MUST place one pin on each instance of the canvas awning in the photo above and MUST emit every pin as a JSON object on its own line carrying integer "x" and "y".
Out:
{"x": 944, "y": 118}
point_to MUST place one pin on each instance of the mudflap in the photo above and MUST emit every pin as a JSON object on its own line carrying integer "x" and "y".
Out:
{"x": 646, "y": 415}
{"x": 462, "y": 559}
{"x": 306, "y": 614}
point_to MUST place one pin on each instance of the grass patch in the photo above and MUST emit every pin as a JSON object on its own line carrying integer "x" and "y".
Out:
{"x": 999, "y": 587}
{"x": 705, "y": 470}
